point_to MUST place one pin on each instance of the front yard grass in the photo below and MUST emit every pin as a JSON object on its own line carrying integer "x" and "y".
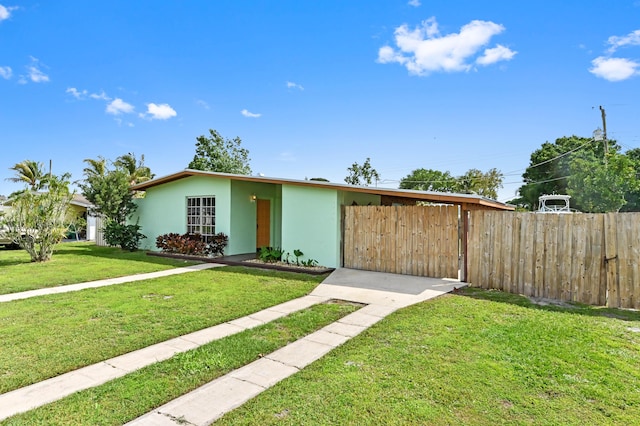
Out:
{"x": 474, "y": 358}
{"x": 46, "y": 336}
{"x": 75, "y": 263}
{"x": 135, "y": 394}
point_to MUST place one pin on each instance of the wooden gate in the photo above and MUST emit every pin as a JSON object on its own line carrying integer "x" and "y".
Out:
{"x": 410, "y": 240}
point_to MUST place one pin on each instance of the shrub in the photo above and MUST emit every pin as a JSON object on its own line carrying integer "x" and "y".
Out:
{"x": 216, "y": 246}
{"x": 126, "y": 236}
{"x": 192, "y": 244}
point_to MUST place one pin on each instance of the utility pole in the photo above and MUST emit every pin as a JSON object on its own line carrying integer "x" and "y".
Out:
{"x": 604, "y": 133}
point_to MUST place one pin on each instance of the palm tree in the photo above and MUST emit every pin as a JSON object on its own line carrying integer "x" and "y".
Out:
{"x": 97, "y": 167}
{"x": 29, "y": 172}
{"x": 137, "y": 171}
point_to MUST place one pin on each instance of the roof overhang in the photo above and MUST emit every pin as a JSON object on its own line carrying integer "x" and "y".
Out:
{"x": 469, "y": 200}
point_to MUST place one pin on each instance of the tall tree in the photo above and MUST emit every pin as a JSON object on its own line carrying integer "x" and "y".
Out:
{"x": 599, "y": 186}
{"x": 474, "y": 181}
{"x": 95, "y": 167}
{"x": 632, "y": 196}
{"x": 548, "y": 170}
{"x": 29, "y": 172}
{"x": 486, "y": 184}
{"x": 108, "y": 190}
{"x": 429, "y": 180}
{"x": 362, "y": 174}
{"x": 217, "y": 154}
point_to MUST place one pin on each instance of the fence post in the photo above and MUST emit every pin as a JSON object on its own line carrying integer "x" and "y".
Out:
{"x": 611, "y": 260}
{"x": 464, "y": 243}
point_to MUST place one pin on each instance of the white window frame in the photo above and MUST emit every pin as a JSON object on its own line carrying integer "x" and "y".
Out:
{"x": 201, "y": 216}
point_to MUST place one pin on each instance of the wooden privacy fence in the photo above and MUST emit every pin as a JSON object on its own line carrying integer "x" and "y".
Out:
{"x": 586, "y": 258}
{"x": 412, "y": 240}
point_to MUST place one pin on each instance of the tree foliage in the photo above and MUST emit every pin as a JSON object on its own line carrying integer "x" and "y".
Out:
{"x": 107, "y": 188}
{"x": 430, "y": 180}
{"x": 577, "y": 166}
{"x": 474, "y": 181}
{"x": 30, "y": 173}
{"x": 598, "y": 186}
{"x": 486, "y": 184}
{"x": 362, "y": 174}
{"x": 217, "y": 154}
{"x": 135, "y": 169}
{"x": 37, "y": 220}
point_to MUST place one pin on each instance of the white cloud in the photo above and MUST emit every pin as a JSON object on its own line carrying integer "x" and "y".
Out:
{"x": 76, "y": 93}
{"x": 423, "y": 50}
{"x": 496, "y": 54}
{"x": 34, "y": 73}
{"x": 292, "y": 85}
{"x": 159, "y": 112}
{"x": 614, "y": 69}
{"x": 203, "y": 104}
{"x": 100, "y": 96}
{"x": 6, "y": 72}
{"x": 414, "y": 3}
{"x": 246, "y": 113}
{"x": 118, "y": 106}
{"x": 631, "y": 39}
{"x": 5, "y": 12}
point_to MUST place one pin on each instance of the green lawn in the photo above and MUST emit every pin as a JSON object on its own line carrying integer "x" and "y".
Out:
{"x": 75, "y": 263}
{"x": 49, "y": 335}
{"x": 478, "y": 358}
{"x": 131, "y": 396}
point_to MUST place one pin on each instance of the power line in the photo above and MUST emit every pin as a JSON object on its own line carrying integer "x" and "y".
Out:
{"x": 551, "y": 159}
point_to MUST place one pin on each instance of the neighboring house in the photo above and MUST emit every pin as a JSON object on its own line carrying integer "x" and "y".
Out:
{"x": 260, "y": 211}
{"x": 80, "y": 205}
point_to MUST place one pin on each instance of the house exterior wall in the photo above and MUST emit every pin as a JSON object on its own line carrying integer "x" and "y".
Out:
{"x": 311, "y": 223}
{"x": 242, "y": 238}
{"x": 348, "y": 198}
{"x": 163, "y": 209}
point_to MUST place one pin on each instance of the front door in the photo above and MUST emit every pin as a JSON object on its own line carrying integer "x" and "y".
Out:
{"x": 263, "y": 223}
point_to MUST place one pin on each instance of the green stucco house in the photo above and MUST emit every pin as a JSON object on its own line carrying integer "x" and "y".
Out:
{"x": 257, "y": 211}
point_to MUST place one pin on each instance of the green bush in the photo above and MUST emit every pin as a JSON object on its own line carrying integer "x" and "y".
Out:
{"x": 126, "y": 236}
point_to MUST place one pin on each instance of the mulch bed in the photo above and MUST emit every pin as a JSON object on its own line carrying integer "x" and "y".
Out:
{"x": 249, "y": 263}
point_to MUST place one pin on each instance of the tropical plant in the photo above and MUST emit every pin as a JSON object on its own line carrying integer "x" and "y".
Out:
{"x": 135, "y": 169}
{"x": 29, "y": 172}
{"x": 108, "y": 190}
{"x": 37, "y": 220}
{"x": 270, "y": 254}
{"x": 192, "y": 244}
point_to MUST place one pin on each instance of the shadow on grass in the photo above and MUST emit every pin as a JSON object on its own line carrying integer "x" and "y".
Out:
{"x": 88, "y": 249}
{"x": 299, "y": 276}
{"x": 549, "y": 304}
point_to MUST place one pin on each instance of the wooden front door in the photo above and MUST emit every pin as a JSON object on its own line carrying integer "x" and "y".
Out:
{"x": 263, "y": 223}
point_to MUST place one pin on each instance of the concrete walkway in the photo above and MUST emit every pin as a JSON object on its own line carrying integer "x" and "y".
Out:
{"x": 102, "y": 283}
{"x": 382, "y": 293}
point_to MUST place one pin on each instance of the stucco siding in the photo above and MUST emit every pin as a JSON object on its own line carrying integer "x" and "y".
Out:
{"x": 163, "y": 209}
{"x": 243, "y": 220}
{"x": 310, "y": 222}
{"x": 348, "y": 198}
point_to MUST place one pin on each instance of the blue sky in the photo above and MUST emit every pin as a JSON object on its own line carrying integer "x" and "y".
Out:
{"x": 312, "y": 86}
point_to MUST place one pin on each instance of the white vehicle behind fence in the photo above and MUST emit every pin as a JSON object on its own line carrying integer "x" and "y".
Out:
{"x": 558, "y": 204}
